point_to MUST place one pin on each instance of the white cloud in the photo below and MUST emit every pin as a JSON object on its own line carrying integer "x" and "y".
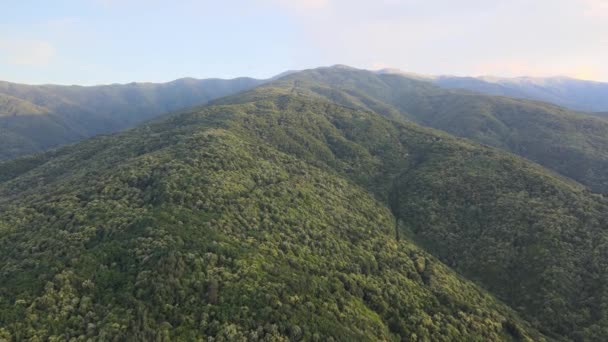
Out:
{"x": 26, "y": 52}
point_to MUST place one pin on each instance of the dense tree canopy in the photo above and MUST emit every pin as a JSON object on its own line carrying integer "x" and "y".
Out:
{"x": 274, "y": 216}
{"x": 192, "y": 230}
{"x": 34, "y": 118}
{"x": 568, "y": 142}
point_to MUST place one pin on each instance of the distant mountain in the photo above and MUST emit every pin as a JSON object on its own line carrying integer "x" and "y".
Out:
{"x": 35, "y": 118}
{"x": 12, "y": 106}
{"x": 568, "y": 92}
{"x": 571, "y": 143}
{"x": 601, "y": 115}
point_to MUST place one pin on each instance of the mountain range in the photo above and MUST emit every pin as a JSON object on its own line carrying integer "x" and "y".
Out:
{"x": 582, "y": 95}
{"x": 571, "y": 143}
{"x": 36, "y": 118}
{"x": 325, "y": 204}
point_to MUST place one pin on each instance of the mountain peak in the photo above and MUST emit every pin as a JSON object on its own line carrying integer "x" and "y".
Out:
{"x": 396, "y": 71}
{"x": 342, "y": 66}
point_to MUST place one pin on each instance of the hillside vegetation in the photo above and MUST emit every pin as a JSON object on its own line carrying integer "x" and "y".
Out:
{"x": 531, "y": 237}
{"x": 217, "y": 224}
{"x": 570, "y": 143}
{"x": 36, "y": 118}
{"x": 276, "y": 216}
{"x": 312, "y": 208}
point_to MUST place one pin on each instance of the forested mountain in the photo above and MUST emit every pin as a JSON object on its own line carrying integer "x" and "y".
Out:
{"x": 272, "y": 215}
{"x": 576, "y": 94}
{"x": 568, "y": 142}
{"x": 35, "y": 118}
{"x": 313, "y": 208}
{"x": 238, "y": 222}
{"x": 532, "y": 238}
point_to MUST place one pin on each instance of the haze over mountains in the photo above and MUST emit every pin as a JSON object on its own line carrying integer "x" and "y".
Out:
{"x": 576, "y": 94}
{"x": 582, "y": 95}
{"x": 35, "y": 118}
{"x": 326, "y": 204}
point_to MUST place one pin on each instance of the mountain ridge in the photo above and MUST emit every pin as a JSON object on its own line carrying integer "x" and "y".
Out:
{"x": 108, "y": 108}
{"x": 589, "y": 96}
{"x": 575, "y": 94}
{"x": 84, "y": 111}
{"x": 569, "y": 142}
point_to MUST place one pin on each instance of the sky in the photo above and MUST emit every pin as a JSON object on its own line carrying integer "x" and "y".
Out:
{"x": 118, "y": 41}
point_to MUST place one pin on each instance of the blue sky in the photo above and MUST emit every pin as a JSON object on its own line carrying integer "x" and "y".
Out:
{"x": 106, "y": 41}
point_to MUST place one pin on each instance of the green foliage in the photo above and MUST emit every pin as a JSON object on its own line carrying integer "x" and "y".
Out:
{"x": 565, "y": 141}
{"x": 535, "y": 241}
{"x": 533, "y": 238}
{"x": 236, "y": 222}
{"x": 568, "y": 142}
{"x": 274, "y": 215}
{"x": 36, "y": 118}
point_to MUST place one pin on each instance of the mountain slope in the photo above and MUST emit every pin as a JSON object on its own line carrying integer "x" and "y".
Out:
{"x": 570, "y": 143}
{"x": 529, "y": 236}
{"x": 238, "y": 222}
{"x": 567, "y": 142}
{"x": 36, "y": 118}
{"x": 576, "y": 94}
{"x": 12, "y": 106}
{"x": 272, "y": 185}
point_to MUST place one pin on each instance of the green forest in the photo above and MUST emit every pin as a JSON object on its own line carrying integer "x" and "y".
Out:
{"x": 36, "y": 118}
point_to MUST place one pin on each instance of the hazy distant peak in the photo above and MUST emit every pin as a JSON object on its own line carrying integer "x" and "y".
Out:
{"x": 342, "y": 66}
{"x": 390, "y": 71}
{"x": 395, "y": 71}
{"x": 577, "y": 94}
{"x": 187, "y": 79}
{"x": 526, "y": 79}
